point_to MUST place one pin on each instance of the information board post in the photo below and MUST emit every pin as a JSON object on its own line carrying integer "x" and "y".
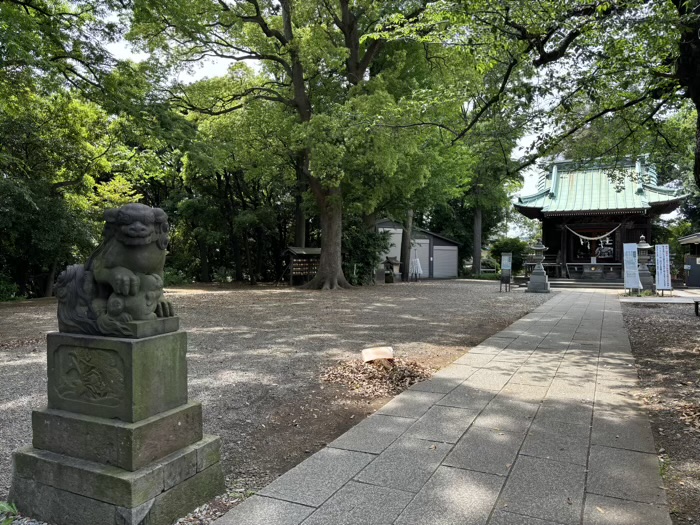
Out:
{"x": 506, "y": 270}
{"x": 663, "y": 268}
{"x": 632, "y": 282}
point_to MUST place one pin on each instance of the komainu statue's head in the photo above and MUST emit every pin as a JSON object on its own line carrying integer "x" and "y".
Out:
{"x": 137, "y": 225}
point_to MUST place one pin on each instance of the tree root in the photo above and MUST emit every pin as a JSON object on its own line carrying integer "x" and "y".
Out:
{"x": 326, "y": 282}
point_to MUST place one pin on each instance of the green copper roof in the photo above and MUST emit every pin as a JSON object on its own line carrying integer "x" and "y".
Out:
{"x": 571, "y": 190}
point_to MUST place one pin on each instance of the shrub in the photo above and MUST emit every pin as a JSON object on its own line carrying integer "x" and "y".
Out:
{"x": 8, "y": 513}
{"x": 518, "y": 248}
{"x": 173, "y": 277}
{"x": 8, "y": 289}
{"x": 364, "y": 250}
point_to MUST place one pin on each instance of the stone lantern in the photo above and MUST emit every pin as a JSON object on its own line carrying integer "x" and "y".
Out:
{"x": 538, "y": 279}
{"x": 645, "y": 277}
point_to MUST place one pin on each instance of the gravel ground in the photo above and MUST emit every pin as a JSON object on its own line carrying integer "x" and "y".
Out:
{"x": 666, "y": 345}
{"x": 256, "y": 356}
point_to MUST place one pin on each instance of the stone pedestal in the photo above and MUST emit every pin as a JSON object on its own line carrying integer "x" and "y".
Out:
{"x": 119, "y": 443}
{"x": 539, "y": 283}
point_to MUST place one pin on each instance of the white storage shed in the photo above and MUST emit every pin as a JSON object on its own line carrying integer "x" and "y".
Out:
{"x": 438, "y": 255}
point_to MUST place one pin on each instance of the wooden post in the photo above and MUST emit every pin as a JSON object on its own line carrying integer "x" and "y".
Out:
{"x": 563, "y": 251}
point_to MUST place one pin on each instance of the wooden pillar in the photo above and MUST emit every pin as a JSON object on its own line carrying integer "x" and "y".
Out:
{"x": 564, "y": 250}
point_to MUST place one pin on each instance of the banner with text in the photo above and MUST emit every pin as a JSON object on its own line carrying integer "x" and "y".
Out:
{"x": 632, "y": 281}
{"x": 663, "y": 267}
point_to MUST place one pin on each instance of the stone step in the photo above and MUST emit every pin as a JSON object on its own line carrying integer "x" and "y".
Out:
{"x": 587, "y": 283}
{"x": 62, "y": 489}
{"x": 130, "y": 446}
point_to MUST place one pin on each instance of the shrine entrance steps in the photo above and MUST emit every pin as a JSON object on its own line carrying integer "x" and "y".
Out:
{"x": 607, "y": 284}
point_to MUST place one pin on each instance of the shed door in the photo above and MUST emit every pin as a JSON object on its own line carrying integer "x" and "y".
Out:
{"x": 444, "y": 262}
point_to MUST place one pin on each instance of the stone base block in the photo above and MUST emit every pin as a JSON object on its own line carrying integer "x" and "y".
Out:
{"x": 68, "y": 491}
{"x": 111, "y": 377}
{"x": 162, "y": 325}
{"x": 538, "y": 283}
{"x": 130, "y": 446}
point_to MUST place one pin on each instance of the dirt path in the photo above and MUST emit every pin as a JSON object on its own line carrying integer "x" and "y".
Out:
{"x": 666, "y": 345}
{"x": 255, "y": 356}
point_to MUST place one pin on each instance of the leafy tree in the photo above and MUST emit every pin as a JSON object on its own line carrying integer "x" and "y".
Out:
{"x": 237, "y": 206}
{"x": 49, "y": 43}
{"x": 51, "y": 148}
{"x": 316, "y": 64}
{"x": 518, "y": 248}
{"x": 565, "y": 65}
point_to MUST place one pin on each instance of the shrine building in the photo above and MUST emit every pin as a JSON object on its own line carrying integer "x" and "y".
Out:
{"x": 588, "y": 210}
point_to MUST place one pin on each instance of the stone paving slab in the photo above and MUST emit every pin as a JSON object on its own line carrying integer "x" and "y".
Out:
{"x": 412, "y": 404}
{"x": 527, "y": 393}
{"x": 446, "y": 379}
{"x": 374, "y": 434}
{"x": 405, "y": 465}
{"x": 268, "y": 511}
{"x": 380, "y": 506}
{"x": 545, "y": 489}
{"x": 508, "y": 518}
{"x": 628, "y": 430}
{"x": 537, "y": 425}
{"x": 487, "y": 379}
{"x": 315, "y": 480}
{"x": 535, "y": 375}
{"x": 625, "y": 474}
{"x": 486, "y": 450}
{"x": 507, "y": 414}
{"x": 441, "y": 423}
{"x": 453, "y": 496}
{"x": 558, "y": 440}
{"x": 600, "y": 510}
{"x": 465, "y": 396}
{"x": 475, "y": 360}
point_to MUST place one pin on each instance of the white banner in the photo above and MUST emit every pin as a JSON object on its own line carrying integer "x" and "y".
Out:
{"x": 414, "y": 268}
{"x": 506, "y": 261}
{"x": 632, "y": 281}
{"x": 663, "y": 267}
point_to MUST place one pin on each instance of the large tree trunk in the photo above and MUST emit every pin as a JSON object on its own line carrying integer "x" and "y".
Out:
{"x": 476, "y": 254}
{"x": 204, "y": 274}
{"x": 696, "y": 164}
{"x": 299, "y": 212}
{"x": 50, "y": 278}
{"x": 330, "y": 271}
{"x": 406, "y": 246}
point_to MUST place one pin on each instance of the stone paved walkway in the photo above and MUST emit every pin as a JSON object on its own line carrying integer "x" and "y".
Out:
{"x": 532, "y": 427}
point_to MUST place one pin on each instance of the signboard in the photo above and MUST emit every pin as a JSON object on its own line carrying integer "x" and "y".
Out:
{"x": 506, "y": 261}
{"x": 506, "y": 269}
{"x": 663, "y": 267}
{"x": 632, "y": 281}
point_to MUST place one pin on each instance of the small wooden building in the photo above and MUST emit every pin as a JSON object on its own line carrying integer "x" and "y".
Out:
{"x": 588, "y": 210}
{"x": 303, "y": 263}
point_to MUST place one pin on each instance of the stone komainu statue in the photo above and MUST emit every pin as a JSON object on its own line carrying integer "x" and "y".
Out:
{"x": 122, "y": 281}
